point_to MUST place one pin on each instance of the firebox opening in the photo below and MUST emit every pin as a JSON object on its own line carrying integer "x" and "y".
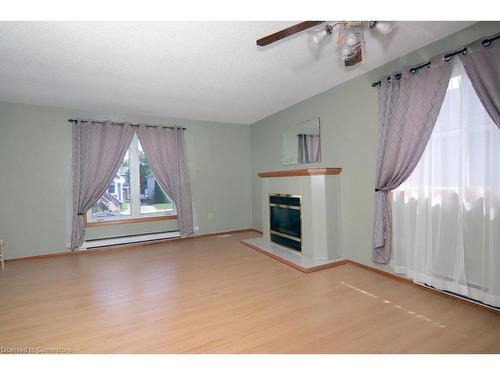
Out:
{"x": 285, "y": 220}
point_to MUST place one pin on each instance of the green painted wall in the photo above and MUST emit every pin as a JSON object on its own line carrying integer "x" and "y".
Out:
{"x": 35, "y": 153}
{"x": 349, "y": 131}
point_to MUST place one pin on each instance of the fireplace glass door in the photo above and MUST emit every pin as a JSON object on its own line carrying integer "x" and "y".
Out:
{"x": 285, "y": 220}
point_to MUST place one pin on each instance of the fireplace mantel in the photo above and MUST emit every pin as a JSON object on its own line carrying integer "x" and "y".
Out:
{"x": 301, "y": 172}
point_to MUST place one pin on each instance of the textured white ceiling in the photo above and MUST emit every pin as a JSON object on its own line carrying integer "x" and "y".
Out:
{"x": 196, "y": 70}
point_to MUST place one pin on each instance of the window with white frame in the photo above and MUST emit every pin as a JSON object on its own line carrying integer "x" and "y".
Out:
{"x": 134, "y": 192}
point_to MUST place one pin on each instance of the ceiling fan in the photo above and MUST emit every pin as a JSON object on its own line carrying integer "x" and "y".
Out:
{"x": 349, "y": 36}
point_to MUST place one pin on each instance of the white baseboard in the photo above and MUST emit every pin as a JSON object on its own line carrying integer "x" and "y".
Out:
{"x": 128, "y": 239}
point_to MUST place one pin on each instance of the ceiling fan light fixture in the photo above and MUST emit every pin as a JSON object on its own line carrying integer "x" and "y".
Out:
{"x": 349, "y": 36}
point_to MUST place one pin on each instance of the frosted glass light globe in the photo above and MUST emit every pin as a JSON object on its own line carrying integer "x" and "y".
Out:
{"x": 384, "y": 27}
{"x": 314, "y": 39}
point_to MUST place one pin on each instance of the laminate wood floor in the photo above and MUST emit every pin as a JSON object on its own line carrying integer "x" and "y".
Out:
{"x": 214, "y": 295}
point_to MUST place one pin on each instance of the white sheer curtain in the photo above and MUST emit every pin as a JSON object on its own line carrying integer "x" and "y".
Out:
{"x": 446, "y": 216}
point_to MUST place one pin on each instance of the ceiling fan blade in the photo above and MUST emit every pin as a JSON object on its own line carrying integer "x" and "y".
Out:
{"x": 287, "y": 32}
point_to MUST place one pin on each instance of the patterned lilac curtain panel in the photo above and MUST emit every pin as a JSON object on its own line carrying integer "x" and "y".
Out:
{"x": 98, "y": 149}
{"x": 166, "y": 152}
{"x": 408, "y": 110}
{"x": 309, "y": 148}
{"x": 482, "y": 64}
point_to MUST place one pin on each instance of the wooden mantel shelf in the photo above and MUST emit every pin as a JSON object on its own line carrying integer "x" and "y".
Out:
{"x": 301, "y": 172}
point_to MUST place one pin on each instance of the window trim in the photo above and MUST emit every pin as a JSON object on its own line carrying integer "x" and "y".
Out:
{"x": 135, "y": 215}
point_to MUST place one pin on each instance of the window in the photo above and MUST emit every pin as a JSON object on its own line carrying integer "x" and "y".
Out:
{"x": 134, "y": 192}
{"x": 457, "y": 156}
{"x": 446, "y": 230}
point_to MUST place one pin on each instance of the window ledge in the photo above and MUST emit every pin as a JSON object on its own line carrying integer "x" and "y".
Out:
{"x": 127, "y": 221}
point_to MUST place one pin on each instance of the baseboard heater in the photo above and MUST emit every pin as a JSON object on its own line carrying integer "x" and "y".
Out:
{"x": 458, "y": 295}
{"x": 122, "y": 240}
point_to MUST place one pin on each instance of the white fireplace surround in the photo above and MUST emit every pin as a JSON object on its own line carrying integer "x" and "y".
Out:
{"x": 319, "y": 189}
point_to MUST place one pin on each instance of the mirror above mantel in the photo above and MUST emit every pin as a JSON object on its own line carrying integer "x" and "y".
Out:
{"x": 301, "y": 143}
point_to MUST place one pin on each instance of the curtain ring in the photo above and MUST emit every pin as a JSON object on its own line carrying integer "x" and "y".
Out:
{"x": 486, "y": 42}
{"x": 447, "y": 57}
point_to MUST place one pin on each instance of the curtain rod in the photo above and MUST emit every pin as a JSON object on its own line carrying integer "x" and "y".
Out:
{"x": 123, "y": 123}
{"x": 447, "y": 57}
